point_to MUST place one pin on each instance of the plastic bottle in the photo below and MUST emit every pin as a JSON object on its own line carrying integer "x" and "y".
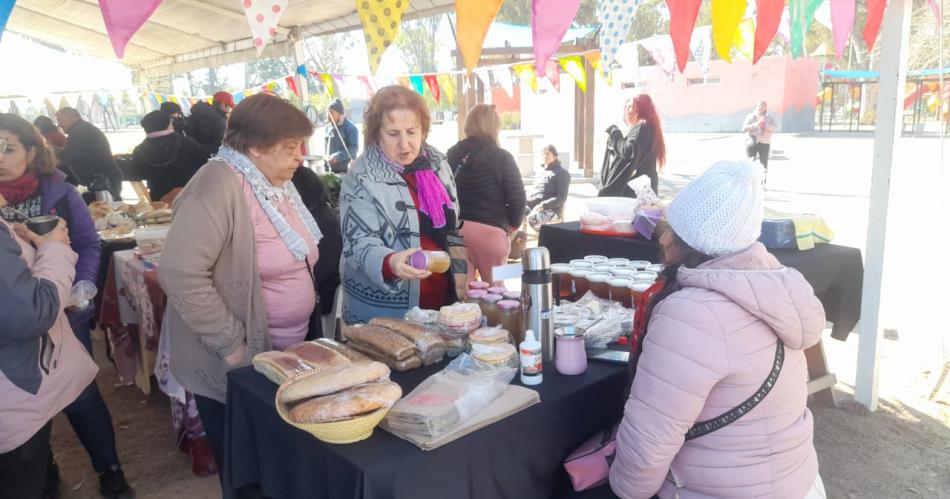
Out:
{"x": 530, "y": 350}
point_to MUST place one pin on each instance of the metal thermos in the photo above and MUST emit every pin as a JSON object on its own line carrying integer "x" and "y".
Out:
{"x": 100, "y": 187}
{"x": 536, "y": 297}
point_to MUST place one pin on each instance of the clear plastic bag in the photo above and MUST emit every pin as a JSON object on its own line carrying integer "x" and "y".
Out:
{"x": 601, "y": 321}
{"x": 82, "y": 294}
{"x": 447, "y": 398}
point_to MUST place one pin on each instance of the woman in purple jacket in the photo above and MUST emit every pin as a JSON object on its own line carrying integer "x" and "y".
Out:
{"x": 30, "y": 182}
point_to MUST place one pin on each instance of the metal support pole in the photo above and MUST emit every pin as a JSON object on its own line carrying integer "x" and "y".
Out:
{"x": 894, "y": 39}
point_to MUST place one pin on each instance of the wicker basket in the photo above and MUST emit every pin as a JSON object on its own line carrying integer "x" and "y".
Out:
{"x": 337, "y": 432}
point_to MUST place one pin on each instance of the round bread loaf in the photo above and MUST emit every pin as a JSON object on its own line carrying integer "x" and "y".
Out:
{"x": 333, "y": 380}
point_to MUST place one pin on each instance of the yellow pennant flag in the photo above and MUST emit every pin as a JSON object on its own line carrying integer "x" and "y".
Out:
{"x": 447, "y": 84}
{"x": 574, "y": 66}
{"x": 745, "y": 38}
{"x": 726, "y": 16}
{"x": 526, "y": 70}
{"x": 380, "y": 20}
{"x": 403, "y": 81}
{"x": 596, "y": 62}
{"x": 473, "y": 19}
{"x": 248, "y": 92}
{"x": 327, "y": 83}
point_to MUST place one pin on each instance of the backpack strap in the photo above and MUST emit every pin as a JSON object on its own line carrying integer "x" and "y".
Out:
{"x": 710, "y": 425}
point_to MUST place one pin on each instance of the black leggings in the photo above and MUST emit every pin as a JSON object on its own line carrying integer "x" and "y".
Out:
{"x": 762, "y": 151}
{"x": 23, "y": 470}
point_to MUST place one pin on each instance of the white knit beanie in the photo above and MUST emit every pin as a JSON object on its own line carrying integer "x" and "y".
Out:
{"x": 720, "y": 212}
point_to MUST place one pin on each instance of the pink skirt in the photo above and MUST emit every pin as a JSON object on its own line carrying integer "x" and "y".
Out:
{"x": 488, "y": 246}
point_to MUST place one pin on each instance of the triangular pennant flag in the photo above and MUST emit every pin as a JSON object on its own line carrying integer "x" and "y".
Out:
{"x": 161, "y": 99}
{"x": 553, "y": 75}
{"x": 525, "y": 72}
{"x": 418, "y": 84}
{"x": 447, "y": 86}
{"x": 596, "y": 61}
{"x": 502, "y": 77}
{"x": 302, "y": 70}
{"x": 768, "y": 17}
{"x": 433, "y": 83}
{"x": 682, "y": 19}
{"x": 574, "y": 66}
{"x": 726, "y": 16}
{"x": 123, "y": 18}
{"x": 153, "y": 100}
{"x": 934, "y": 7}
{"x": 6, "y": 7}
{"x": 549, "y": 21}
{"x": 292, "y": 84}
{"x": 327, "y": 83}
{"x": 263, "y": 17}
{"x": 661, "y": 50}
{"x": 744, "y": 39}
{"x": 473, "y": 18}
{"x": 403, "y": 81}
{"x": 616, "y": 17}
{"x": 380, "y": 20}
{"x": 801, "y": 14}
{"x": 873, "y": 24}
{"x": 238, "y": 97}
{"x": 842, "y": 18}
{"x": 701, "y": 47}
{"x": 364, "y": 80}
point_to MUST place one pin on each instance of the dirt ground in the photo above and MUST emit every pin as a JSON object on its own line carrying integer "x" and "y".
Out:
{"x": 898, "y": 451}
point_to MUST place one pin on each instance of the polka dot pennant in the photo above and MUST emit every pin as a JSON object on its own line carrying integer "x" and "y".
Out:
{"x": 381, "y": 20}
{"x": 262, "y": 18}
{"x": 616, "y": 18}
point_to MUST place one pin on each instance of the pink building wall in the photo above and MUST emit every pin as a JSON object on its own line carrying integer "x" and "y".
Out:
{"x": 788, "y": 86}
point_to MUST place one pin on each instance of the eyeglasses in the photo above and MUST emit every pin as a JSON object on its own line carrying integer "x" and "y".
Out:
{"x": 3, "y": 145}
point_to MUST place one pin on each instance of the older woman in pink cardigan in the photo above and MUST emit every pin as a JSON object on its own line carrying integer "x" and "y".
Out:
{"x": 728, "y": 318}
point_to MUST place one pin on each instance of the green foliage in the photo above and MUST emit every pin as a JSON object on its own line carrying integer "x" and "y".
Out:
{"x": 511, "y": 120}
{"x": 416, "y": 40}
{"x": 261, "y": 71}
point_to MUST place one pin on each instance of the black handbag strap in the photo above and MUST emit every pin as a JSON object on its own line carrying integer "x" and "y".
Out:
{"x": 710, "y": 425}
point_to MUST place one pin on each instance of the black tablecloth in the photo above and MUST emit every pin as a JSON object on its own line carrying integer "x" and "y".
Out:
{"x": 519, "y": 456}
{"x": 835, "y": 272}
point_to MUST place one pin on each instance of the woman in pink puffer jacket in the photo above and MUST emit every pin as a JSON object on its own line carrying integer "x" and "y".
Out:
{"x": 710, "y": 344}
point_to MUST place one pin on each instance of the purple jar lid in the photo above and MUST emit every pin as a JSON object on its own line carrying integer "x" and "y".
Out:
{"x": 475, "y": 293}
{"x": 497, "y": 290}
{"x": 512, "y": 295}
{"x": 491, "y": 297}
{"x": 508, "y": 305}
{"x": 419, "y": 260}
{"x": 478, "y": 285}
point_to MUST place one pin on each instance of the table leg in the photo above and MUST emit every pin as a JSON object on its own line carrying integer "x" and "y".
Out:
{"x": 143, "y": 372}
{"x": 820, "y": 381}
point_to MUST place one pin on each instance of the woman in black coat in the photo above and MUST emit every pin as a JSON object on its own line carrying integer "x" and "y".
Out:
{"x": 635, "y": 154}
{"x": 490, "y": 192}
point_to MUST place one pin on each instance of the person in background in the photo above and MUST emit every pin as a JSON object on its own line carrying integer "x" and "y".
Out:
{"x": 490, "y": 192}
{"x": 638, "y": 152}
{"x": 326, "y": 273}
{"x": 87, "y": 153}
{"x": 36, "y": 274}
{"x": 179, "y": 123}
{"x": 342, "y": 138}
{"x": 547, "y": 200}
{"x": 165, "y": 158}
{"x": 52, "y": 133}
{"x": 238, "y": 260}
{"x": 30, "y": 182}
{"x": 759, "y": 125}
{"x": 398, "y": 197}
{"x": 208, "y": 122}
{"x": 728, "y": 321}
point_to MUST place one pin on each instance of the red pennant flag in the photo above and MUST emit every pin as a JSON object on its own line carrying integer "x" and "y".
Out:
{"x": 768, "y": 15}
{"x": 873, "y": 24}
{"x": 433, "y": 83}
{"x": 292, "y": 85}
{"x": 683, "y": 15}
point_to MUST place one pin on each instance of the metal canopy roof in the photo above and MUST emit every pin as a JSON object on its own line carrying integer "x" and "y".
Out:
{"x": 183, "y": 35}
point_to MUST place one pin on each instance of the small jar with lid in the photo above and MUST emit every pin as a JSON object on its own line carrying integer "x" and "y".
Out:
{"x": 598, "y": 284}
{"x": 639, "y": 264}
{"x": 489, "y": 305}
{"x": 603, "y": 267}
{"x": 509, "y": 317}
{"x": 595, "y": 259}
{"x": 436, "y": 262}
{"x": 579, "y": 278}
{"x": 623, "y": 272}
{"x": 619, "y": 291}
{"x": 512, "y": 295}
{"x": 581, "y": 264}
{"x": 479, "y": 285}
{"x": 637, "y": 288}
{"x": 618, "y": 262}
{"x": 561, "y": 277}
{"x": 474, "y": 295}
{"x": 497, "y": 290}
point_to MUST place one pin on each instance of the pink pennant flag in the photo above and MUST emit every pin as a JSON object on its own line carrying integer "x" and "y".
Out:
{"x": 553, "y": 74}
{"x": 262, "y": 18}
{"x": 842, "y": 18}
{"x": 935, "y": 7}
{"x": 123, "y": 18}
{"x": 366, "y": 85}
{"x": 550, "y": 19}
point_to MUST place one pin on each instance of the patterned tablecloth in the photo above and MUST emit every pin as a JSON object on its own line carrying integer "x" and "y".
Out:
{"x": 133, "y": 305}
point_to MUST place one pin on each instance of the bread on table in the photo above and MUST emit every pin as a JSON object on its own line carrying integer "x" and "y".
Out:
{"x": 381, "y": 340}
{"x": 346, "y": 404}
{"x": 333, "y": 380}
{"x": 279, "y": 366}
{"x": 428, "y": 343}
{"x": 342, "y": 349}
{"x": 407, "y": 364}
{"x": 317, "y": 355}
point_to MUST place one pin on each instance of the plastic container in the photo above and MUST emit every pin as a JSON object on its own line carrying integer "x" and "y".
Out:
{"x": 479, "y": 285}
{"x": 639, "y": 264}
{"x": 614, "y": 206}
{"x": 579, "y": 278}
{"x": 598, "y": 284}
{"x": 571, "y": 354}
{"x": 530, "y": 356}
{"x": 151, "y": 240}
{"x": 434, "y": 261}
{"x": 509, "y": 317}
{"x": 581, "y": 264}
{"x": 489, "y": 305}
{"x": 623, "y": 272}
{"x": 474, "y": 295}
{"x": 645, "y": 275}
{"x": 595, "y": 259}
{"x": 618, "y": 262}
{"x": 656, "y": 267}
{"x": 637, "y": 288}
{"x": 561, "y": 277}
{"x": 619, "y": 291}
{"x": 603, "y": 267}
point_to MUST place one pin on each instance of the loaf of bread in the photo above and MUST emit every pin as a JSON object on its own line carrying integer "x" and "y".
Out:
{"x": 342, "y": 349}
{"x": 333, "y": 380}
{"x": 347, "y": 404}
{"x": 317, "y": 355}
{"x": 279, "y": 366}
{"x": 381, "y": 340}
{"x": 407, "y": 364}
{"x": 428, "y": 343}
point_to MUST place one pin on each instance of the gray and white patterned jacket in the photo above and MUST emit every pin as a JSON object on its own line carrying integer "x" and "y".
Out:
{"x": 378, "y": 217}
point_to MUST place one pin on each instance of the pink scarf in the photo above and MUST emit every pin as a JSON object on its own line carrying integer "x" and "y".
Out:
{"x": 433, "y": 198}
